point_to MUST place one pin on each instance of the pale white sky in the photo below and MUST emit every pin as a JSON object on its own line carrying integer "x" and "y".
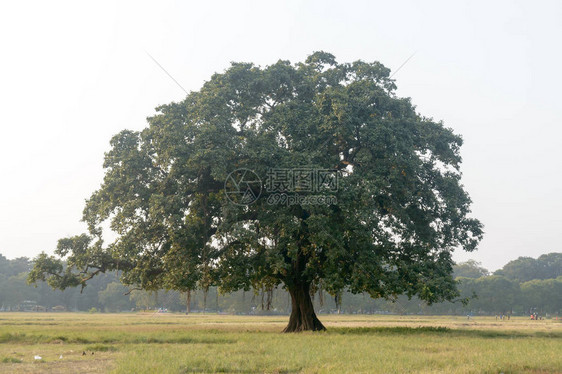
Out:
{"x": 74, "y": 74}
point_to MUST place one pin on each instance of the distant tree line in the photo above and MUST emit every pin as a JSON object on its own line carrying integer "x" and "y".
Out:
{"x": 522, "y": 286}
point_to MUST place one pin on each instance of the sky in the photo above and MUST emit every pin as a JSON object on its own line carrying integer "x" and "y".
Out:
{"x": 73, "y": 74}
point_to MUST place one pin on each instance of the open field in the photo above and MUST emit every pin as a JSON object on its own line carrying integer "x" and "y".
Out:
{"x": 174, "y": 343}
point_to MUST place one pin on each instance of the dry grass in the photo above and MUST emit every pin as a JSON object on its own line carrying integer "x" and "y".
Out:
{"x": 173, "y": 343}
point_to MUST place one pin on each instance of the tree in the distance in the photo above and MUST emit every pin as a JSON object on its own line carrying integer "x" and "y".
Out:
{"x": 469, "y": 269}
{"x": 114, "y": 297}
{"x": 545, "y": 295}
{"x": 523, "y": 269}
{"x": 389, "y": 228}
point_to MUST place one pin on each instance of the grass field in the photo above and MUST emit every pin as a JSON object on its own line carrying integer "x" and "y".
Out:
{"x": 174, "y": 343}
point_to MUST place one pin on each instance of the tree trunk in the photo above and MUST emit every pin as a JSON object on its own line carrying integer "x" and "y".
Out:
{"x": 205, "y": 300}
{"x": 188, "y": 302}
{"x": 302, "y": 316}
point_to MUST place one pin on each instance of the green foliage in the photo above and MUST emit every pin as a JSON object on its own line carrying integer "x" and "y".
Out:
{"x": 545, "y": 295}
{"x": 144, "y": 299}
{"x": 113, "y": 297}
{"x": 523, "y": 269}
{"x": 14, "y": 289}
{"x": 498, "y": 292}
{"x": 469, "y": 269}
{"x": 15, "y": 266}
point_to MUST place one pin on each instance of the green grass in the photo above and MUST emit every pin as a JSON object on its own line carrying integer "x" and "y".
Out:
{"x": 169, "y": 343}
{"x": 11, "y": 360}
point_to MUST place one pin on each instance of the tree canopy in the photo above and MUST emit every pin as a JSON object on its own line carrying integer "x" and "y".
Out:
{"x": 469, "y": 269}
{"x": 523, "y": 269}
{"x": 391, "y": 212}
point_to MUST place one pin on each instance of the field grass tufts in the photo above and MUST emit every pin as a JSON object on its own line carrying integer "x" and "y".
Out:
{"x": 11, "y": 360}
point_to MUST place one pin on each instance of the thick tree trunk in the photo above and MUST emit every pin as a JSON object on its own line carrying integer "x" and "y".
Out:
{"x": 302, "y": 316}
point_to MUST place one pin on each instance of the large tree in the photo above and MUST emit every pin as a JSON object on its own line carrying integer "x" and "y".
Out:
{"x": 391, "y": 207}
